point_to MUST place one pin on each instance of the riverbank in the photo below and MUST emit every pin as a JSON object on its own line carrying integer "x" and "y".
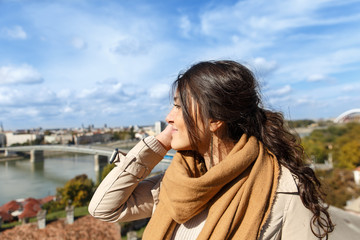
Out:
{"x": 23, "y": 178}
{"x": 10, "y": 158}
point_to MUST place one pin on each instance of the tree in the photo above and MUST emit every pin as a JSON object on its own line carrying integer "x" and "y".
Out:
{"x": 132, "y": 133}
{"x": 345, "y": 143}
{"x": 348, "y": 155}
{"x": 78, "y": 190}
{"x": 339, "y": 186}
{"x": 106, "y": 170}
{"x": 316, "y": 146}
{"x": 300, "y": 123}
{"x": 347, "y": 147}
{"x": 47, "y": 133}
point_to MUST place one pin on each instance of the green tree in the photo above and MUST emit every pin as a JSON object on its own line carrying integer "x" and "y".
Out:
{"x": 132, "y": 133}
{"x": 121, "y": 135}
{"x": 347, "y": 147}
{"x": 348, "y": 155}
{"x": 339, "y": 186}
{"x": 300, "y": 123}
{"x": 316, "y": 146}
{"x": 78, "y": 190}
{"x": 106, "y": 170}
{"x": 344, "y": 141}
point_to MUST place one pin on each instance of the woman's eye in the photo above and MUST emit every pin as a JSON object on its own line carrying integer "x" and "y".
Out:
{"x": 177, "y": 106}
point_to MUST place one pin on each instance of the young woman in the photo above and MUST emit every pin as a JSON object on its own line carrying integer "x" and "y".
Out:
{"x": 238, "y": 173}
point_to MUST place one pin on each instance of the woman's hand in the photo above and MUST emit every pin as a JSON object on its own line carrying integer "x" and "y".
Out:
{"x": 165, "y": 137}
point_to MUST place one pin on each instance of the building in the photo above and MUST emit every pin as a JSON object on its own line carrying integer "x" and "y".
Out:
{"x": 2, "y": 140}
{"x": 58, "y": 138}
{"x": 159, "y": 126}
{"x": 357, "y": 175}
{"x": 21, "y": 138}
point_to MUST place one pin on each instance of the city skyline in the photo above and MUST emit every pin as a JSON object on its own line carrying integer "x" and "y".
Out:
{"x": 70, "y": 63}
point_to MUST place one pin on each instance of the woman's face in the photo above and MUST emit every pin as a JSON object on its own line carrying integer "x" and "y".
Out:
{"x": 180, "y": 137}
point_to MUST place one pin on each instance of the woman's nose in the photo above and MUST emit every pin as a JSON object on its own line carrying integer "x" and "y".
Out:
{"x": 170, "y": 118}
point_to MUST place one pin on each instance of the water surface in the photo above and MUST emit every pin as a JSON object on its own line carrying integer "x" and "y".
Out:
{"x": 23, "y": 179}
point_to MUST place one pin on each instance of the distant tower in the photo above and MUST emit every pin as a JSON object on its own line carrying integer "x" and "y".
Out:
{"x": 159, "y": 126}
{"x": 1, "y": 127}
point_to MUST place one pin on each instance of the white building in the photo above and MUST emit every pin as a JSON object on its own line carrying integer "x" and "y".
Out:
{"x": 357, "y": 175}
{"x": 13, "y": 138}
{"x": 159, "y": 126}
{"x": 58, "y": 138}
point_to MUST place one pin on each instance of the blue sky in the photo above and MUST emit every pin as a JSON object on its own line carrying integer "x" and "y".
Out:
{"x": 68, "y": 63}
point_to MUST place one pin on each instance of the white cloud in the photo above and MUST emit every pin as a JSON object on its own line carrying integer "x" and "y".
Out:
{"x": 28, "y": 96}
{"x": 317, "y": 78}
{"x": 6, "y": 95}
{"x": 350, "y": 87}
{"x": 185, "y": 25}
{"x": 78, "y": 43}
{"x": 279, "y": 92}
{"x": 16, "y": 32}
{"x": 302, "y": 101}
{"x": 130, "y": 46}
{"x": 64, "y": 93}
{"x": 159, "y": 91}
{"x": 278, "y": 101}
{"x": 262, "y": 67}
{"x": 344, "y": 98}
{"x": 68, "y": 109}
{"x": 259, "y": 18}
{"x": 24, "y": 74}
{"x": 108, "y": 81}
{"x": 128, "y": 49}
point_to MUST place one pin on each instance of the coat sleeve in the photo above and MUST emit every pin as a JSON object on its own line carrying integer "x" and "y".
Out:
{"x": 289, "y": 218}
{"x": 123, "y": 195}
{"x": 297, "y": 220}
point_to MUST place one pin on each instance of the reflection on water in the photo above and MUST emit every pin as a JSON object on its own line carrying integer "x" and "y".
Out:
{"x": 22, "y": 179}
{"x": 37, "y": 167}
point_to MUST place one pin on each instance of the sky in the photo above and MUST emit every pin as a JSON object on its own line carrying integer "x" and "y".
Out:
{"x": 71, "y": 63}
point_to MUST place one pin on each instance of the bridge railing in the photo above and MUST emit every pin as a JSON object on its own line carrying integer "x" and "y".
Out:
{"x": 102, "y": 151}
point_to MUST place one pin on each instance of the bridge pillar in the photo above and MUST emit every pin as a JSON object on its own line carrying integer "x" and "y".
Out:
{"x": 100, "y": 162}
{"x": 8, "y": 153}
{"x": 36, "y": 155}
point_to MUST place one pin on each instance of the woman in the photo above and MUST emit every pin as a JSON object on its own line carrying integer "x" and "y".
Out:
{"x": 237, "y": 174}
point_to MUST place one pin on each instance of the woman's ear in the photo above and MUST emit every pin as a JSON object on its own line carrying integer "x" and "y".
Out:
{"x": 215, "y": 125}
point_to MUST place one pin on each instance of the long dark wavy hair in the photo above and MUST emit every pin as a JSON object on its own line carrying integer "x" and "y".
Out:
{"x": 228, "y": 91}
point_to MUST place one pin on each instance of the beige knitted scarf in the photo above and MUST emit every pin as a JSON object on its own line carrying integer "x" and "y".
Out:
{"x": 238, "y": 192}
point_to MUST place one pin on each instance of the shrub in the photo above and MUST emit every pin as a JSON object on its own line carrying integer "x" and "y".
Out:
{"x": 78, "y": 190}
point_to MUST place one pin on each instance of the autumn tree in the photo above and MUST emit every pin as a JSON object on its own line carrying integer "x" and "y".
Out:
{"x": 300, "y": 123}
{"x": 78, "y": 190}
{"x": 347, "y": 147}
{"x": 106, "y": 170}
{"x": 343, "y": 141}
{"x": 316, "y": 145}
{"x": 339, "y": 186}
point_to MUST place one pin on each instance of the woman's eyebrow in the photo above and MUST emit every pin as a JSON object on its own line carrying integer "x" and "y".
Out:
{"x": 175, "y": 99}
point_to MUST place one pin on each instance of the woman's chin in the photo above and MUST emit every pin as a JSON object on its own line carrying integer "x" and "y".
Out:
{"x": 178, "y": 147}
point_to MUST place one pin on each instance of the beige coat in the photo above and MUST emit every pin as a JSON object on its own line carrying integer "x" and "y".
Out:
{"x": 125, "y": 195}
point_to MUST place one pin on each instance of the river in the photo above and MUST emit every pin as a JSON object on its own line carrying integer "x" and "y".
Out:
{"x": 23, "y": 179}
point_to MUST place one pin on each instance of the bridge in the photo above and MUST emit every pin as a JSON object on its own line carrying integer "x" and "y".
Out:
{"x": 101, "y": 154}
{"x": 349, "y": 116}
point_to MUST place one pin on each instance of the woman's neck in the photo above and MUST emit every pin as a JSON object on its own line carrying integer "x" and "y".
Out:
{"x": 218, "y": 150}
